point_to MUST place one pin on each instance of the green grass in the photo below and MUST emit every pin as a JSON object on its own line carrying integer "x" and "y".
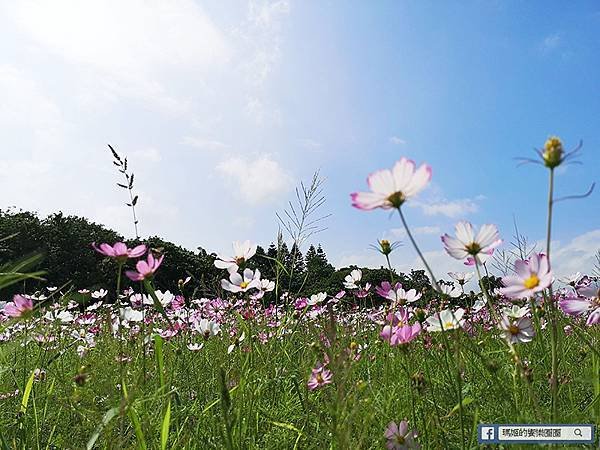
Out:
{"x": 256, "y": 397}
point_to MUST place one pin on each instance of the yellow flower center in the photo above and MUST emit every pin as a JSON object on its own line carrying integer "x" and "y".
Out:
{"x": 513, "y": 329}
{"x": 473, "y": 248}
{"x": 400, "y": 439}
{"x": 448, "y": 325}
{"x": 532, "y": 281}
{"x": 396, "y": 199}
{"x": 319, "y": 378}
{"x": 244, "y": 284}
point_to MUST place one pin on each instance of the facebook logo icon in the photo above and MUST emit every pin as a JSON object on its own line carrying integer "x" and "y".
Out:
{"x": 487, "y": 434}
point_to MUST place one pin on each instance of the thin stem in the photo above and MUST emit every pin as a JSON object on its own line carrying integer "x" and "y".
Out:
{"x": 550, "y": 299}
{"x": 412, "y": 240}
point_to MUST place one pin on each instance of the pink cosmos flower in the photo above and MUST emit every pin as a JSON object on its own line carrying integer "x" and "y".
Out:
{"x": 145, "y": 269}
{"x": 588, "y": 300}
{"x": 119, "y": 251}
{"x": 399, "y": 437}
{"x": 532, "y": 276}
{"x": 405, "y": 334}
{"x": 320, "y": 376}
{"x": 391, "y": 188}
{"x": 393, "y": 320}
{"x": 19, "y": 307}
{"x": 385, "y": 287}
{"x": 466, "y": 243}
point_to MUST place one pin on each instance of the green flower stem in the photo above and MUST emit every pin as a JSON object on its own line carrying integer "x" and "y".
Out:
{"x": 412, "y": 240}
{"x": 550, "y": 300}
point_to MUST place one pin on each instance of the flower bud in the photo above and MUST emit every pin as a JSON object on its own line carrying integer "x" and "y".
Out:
{"x": 553, "y": 152}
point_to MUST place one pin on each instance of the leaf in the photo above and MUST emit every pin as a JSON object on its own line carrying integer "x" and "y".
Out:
{"x": 137, "y": 426}
{"x": 466, "y": 401}
{"x": 108, "y": 416}
{"x": 117, "y": 157}
{"x": 122, "y": 185}
{"x": 164, "y": 432}
{"x": 27, "y": 392}
{"x": 158, "y": 350}
{"x": 131, "y": 181}
{"x": 287, "y": 426}
{"x": 135, "y": 199}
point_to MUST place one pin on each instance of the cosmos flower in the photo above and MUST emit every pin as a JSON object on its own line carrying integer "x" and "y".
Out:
{"x": 450, "y": 290}
{"x": 517, "y": 329}
{"x": 400, "y": 296}
{"x": 352, "y": 279}
{"x": 532, "y": 276}
{"x": 404, "y": 334}
{"x": 119, "y": 251}
{"x": 316, "y": 298}
{"x": 586, "y": 301}
{"x": 446, "y": 320}
{"x": 145, "y": 269}
{"x": 391, "y": 188}
{"x": 461, "y": 277}
{"x": 19, "y": 307}
{"x": 385, "y": 287}
{"x": 265, "y": 286}
{"x": 242, "y": 252}
{"x": 239, "y": 283}
{"x": 319, "y": 377}
{"x": 399, "y": 437}
{"x": 207, "y": 328}
{"x": 515, "y": 311}
{"x": 466, "y": 243}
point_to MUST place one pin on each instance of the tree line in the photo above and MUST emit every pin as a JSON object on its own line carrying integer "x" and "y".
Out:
{"x": 70, "y": 262}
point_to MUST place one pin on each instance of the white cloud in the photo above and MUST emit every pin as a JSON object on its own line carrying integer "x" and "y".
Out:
{"x": 149, "y": 154}
{"x": 397, "y": 141}
{"x": 310, "y": 144}
{"x": 258, "y": 180}
{"x": 452, "y": 209}
{"x": 129, "y": 48}
{"x": 550, "y": 42}
{"x": 577, "y": 255}
{"x": 401, "y": 232}
{"x": 204, "y": 144}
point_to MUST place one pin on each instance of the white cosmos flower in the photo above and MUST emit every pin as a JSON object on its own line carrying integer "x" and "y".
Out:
{"x": 461, "y": 277}
{"x": 63, "y": 316}
{"x": 467, "y": 243}
{"x": 572, "y": 279}
{"x": 239, "y": 283}
{"x": 351, "y": 280}
{"x": 517, "y": 329}
{"x": 401, "y": 296}
{"x": 242, "y": 252}
{"x": 450, "y": 290}
{"x": 265, "y": 286}
{"x": 316, "y": 298}
{"x": 131, "y": 315}
{"x": 446, "y": 320}
{"x": 207, "y": 328}
{"x": 100, "y": 293}
{"x": 515, "y": 311}
{"x": 478, "y": 305}
{"x": 195, "y": 347}
{"x": 391, "y": 188}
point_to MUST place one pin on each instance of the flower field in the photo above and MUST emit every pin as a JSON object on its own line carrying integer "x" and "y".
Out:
{"x": 256, "y": 365}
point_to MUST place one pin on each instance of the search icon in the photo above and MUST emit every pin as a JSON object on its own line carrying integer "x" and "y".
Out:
{"x": 577, "y": 432}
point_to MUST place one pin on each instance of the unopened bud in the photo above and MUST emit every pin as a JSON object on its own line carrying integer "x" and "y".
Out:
{"x": 553, "y": 152}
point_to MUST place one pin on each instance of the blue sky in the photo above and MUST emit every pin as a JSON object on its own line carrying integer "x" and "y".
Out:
{"x": 223, "y": 107}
